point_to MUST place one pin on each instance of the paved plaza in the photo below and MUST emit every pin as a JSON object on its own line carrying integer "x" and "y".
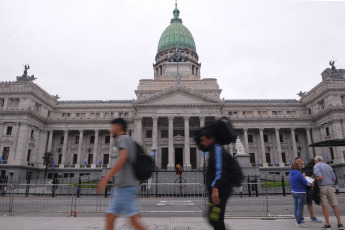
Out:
{"x": 83, "y": 223}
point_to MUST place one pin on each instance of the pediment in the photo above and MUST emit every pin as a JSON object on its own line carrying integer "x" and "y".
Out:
{"x": 178, "y": 96}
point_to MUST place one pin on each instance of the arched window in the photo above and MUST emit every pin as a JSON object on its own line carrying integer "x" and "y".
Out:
{"x": 160, "y": 70}
{"x": 193, "y": 69}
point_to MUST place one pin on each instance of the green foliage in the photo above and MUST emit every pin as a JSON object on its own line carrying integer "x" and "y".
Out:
{"x": 273, "y": 184}
{"x": 47, "y": 158}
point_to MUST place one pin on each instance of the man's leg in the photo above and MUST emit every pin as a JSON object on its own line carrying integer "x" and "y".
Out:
{"x": 110, "y": 220}
{"x": 136, "y": 223}
{"x": 337, "y": 213}
{"x": 311, "y": 210}
{"x": 325, "y": 213}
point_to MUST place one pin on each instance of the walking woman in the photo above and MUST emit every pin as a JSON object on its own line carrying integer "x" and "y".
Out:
{"x": 298, "y": 191}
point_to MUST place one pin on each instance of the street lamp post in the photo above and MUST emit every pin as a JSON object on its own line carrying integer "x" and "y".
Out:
{"x": 154, "y": 154}
{"x": 11, "y": 174}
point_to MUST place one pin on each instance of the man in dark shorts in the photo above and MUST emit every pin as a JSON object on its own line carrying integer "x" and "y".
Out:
{"x": 308, "y": 171}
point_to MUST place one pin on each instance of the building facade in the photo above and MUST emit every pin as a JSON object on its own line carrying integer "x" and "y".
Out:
{"x": 168, "y": 108}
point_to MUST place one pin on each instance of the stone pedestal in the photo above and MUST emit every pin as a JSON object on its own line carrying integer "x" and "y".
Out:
{"x": 244, "y": 162}
{"x": 77, "y": 166}
{"x": 61, "y": 166}
{"x": 93, "y": 166}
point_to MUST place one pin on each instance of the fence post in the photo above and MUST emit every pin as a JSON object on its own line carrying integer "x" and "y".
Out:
{"x": 10, "y": 209}
{"x": 256, "y": 187}
{"x": 283, "y": 186}
{"x": 249, "y": 189}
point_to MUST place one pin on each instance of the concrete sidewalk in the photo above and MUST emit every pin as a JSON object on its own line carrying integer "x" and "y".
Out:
{"x": 83, "y": 223}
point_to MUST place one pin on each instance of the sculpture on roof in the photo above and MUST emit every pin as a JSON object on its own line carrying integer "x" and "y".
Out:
{"x": 332, "y": 63}
{"x": 25, "y": 77}
{"x": 301, "y": 94}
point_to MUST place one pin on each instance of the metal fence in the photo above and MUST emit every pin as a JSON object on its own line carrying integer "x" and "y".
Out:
{"x": 172, "y": 198}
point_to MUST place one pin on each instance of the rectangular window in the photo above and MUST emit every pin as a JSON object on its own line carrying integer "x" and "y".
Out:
{"x": 268, "y": 158}
{"x": 107, "y": 140}
{"x": 264, "y": 113}
{"x": 6, "y": 152}
{"x": 105, "y": 115}
{"x": 62, "y": 139}
{"x": 293, "y": 113}
{"x": 244, "y": 113}
{"x": 164, "y": 133}
{"x": 13, "y": 102}
{"x": 32, "y": 133}
{"x": 83, "y": 115}
{"x": 327, "y": 131}
{"x": 2, "y": 102}
{"x": 191, "y": 133}
{"x": 274, "y": 113}
{"x": 92, "y": 139}
{"x": 250, "y": 113}
{"x": 230, "y": 113}
{"x": 48, "y": 114}
{"x": 149, "y": 133}
{"x": 75, "y": 159}
{"x": 120, "y": 114}
{"x": 28, "y": 156}
{"x": 97, "y": 115}
{"x": 265, "y": 138}
{"x": 235, "y": 113}
{"x": 332, "y": 153}
{"x": 309, "y": 111}
{"x": 126, "y": 114}
{"x": 164, "y": 158}
{"x": 252, "y": 158}
{"x": 63, "y": 114}
{"x": 112, "y": 114}
{"x": 68, "y": 115}
{"x": 77, "y": 139}
{"x": 77, "y": 115}
{"x": 281, "y": 138}
{"x": 106, "y": 159}
{"x": 90, "y": 159}
{"x": 288, "y": 112}
{"x": 343, "y": 99}
{"x": 60, "y": 159}
{"x": 178, "y": 133}
{"x": 259, "y": 113}
{"x": 193, "y": 161}
{"x": 9, "y": 130}
{"x": 279, "y": 112}
{"x": 250, "y": 138}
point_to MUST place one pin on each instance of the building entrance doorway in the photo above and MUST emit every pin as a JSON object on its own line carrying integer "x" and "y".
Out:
{"x": 178, "y": 156}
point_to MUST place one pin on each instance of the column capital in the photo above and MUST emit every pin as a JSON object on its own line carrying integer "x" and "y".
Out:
{"x": 261, "y": 129}
{"x": 245, "y": 129}
{"x": 202, "y": 118}
{"x": 277, "y": 129}
{"x": 65, "y": 130}
{"x": 155, "y": 118}
{"x": 81, "y": 130}
{"x": 308, "y": 128}
{"x": 96, "y": 130}
{"x": 170, "y": 118}
{"x": 138, "y": 118}
{"x": 186, "y": 118}
{"x": 292, "y": 129}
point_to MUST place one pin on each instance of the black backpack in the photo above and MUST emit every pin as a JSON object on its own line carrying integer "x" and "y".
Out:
{"x": 234, "y": 172}
{"x": 143, "y": 165}
{"x": 315, "y": 194}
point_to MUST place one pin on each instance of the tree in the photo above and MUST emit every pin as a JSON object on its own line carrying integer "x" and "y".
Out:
{"x": 47, "y": 159}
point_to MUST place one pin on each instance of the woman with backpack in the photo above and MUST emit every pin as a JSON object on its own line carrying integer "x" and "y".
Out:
{"x": 298, "y": 191}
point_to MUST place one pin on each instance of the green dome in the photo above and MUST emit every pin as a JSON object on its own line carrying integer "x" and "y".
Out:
{"x": 175, "y": 33}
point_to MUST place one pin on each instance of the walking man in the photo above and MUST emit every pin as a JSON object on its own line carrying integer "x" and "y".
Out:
{"x": 308, "y": 171}
{"x": 217, "y": 181}
{"x": 123, "y": 202}
{"x": 325, "y": 178}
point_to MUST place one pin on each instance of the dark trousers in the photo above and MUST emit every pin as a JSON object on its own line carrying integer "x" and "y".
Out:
{"x": 216, "y": 212}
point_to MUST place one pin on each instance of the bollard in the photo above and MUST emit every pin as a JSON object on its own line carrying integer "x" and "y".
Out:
{"x": 256, "y": 187}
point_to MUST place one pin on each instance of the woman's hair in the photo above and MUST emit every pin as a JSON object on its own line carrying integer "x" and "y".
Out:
{"x": 295, "y": 165}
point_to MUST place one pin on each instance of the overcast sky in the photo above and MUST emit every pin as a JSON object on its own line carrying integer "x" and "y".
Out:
{"x": 99, "y": 49}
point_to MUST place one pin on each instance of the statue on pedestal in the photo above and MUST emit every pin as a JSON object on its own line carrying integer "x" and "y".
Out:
{"x": 239, "y": 147}
{"x": 25, "y": 76}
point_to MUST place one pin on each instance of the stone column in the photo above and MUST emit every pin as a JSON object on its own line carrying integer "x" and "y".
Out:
{"x": 186, "y": 143}
{"x": 155, "y": 136}
{"x": 246, "y": 144}
{"x": 279, "y": 149}
{"x": 111, "y": 152}
{"x": 42, "y": 149}
{"x": 171, "y": 143}
{"x": 199, "y": 157}
{"x": 35, "y": 154}
{"x": 317, "y": 138}
{"x": 95, "y": 150}
{"x": 338, "y": 134}
{"x": 139, "y": 130}
{"x": 21, "y": 149}
{"x": 50, "y": 141}
{"x": 262, "y": 145}
{"x": 294, "y": 145}
{"x": 64, "y": 149}
{"x": 80, "y": 147}
{"x": 309, "y": 142}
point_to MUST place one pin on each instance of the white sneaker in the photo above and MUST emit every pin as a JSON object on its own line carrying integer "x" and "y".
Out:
{"x": 300, "y": 225}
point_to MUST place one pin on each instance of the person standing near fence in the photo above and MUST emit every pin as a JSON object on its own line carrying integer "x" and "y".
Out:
{"x": 308, "y": 171}
{"x": 123, "y": 202}
{"x": 337, "y": 189}
{"x": 298, "y": 191}
{"x": 325, "y": 178}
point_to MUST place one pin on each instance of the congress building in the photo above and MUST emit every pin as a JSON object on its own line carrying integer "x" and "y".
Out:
{"x": 168, "y": 108}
